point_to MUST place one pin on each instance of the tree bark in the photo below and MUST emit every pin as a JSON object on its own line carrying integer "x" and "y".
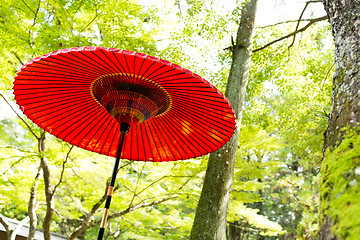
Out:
{"x": 8, "y": 230}
{"x": 48, "y": 188}
{"x": 211, "y": 214}
{"x": 32, "y": 206}
{"x": 344, "y": 17}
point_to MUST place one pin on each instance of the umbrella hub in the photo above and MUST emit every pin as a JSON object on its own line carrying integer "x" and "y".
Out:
{"x": 130, "y": 98}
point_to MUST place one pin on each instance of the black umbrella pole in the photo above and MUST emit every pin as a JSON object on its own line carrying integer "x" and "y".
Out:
{"x": 124, "y": 129}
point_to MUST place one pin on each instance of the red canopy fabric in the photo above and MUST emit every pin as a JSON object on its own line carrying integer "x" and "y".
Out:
{"x": 179, "y": 115}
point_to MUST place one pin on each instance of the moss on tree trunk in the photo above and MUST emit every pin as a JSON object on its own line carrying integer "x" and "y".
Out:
{"x": 339, "y": 179}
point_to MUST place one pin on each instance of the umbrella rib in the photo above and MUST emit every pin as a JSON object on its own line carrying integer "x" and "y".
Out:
{"x": 62, "y": 76}
{"x": 102, "y": 133}
{"x": 101, "y": 59}
{"x": 195, "y": 105}
{"x": 153, "y": 71}
{"x": 91, "y": 119}
{"x": 143, "y": 141}
{"x": 187, "y": 137}
{"x": 159, "y": 142}
{"x": 60, "y": 67}
{"x": 58, "y": 100}
{"x": 81, "y": 66}
{"x": 113, "y": 139}
{"x": 95, "y": 132}
{"x": 126, "y": 63}
{"x": 70, "y": 106}
{"x": 200, "y": 133}
{"x": 156, "y": 123}
{"x": 192, "y": 116}
{"x": 93, "y": 60}
{"x": 206, "y": 112}
{"x": 148, "y": 139}
{"x": 147, "y": 69}
{"x": 115, "y": 55}
{"x": 118, "y": 69}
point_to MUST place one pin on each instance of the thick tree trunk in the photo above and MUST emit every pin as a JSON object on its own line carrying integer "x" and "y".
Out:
{"x": 344, "y": 16}
{"x": 211, "y": 214}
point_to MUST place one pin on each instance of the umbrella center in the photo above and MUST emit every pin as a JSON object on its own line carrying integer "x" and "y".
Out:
{"x": 130, "y": 98}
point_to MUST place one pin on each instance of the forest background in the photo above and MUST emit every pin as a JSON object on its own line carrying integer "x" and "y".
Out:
{"x": 275, "y": 192}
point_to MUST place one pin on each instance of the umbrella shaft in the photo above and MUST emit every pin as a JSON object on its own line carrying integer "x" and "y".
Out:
{"x": 112, "y": 184}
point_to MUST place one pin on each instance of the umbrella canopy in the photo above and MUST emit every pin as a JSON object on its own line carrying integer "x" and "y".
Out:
{"x": 81, "y": 95}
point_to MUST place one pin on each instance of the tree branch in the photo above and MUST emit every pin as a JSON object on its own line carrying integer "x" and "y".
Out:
{"x": 131, "y": 209}
{"x": 89, "y": 216}
{"x": 28, "y": 126}
{"x": 12, "y": 165}
{"x": 63, "y": 169}
{"x": 17, "y": 57}
{"x": 298, "y": 23}
{"x": 28, "y": 7}
{"x": 312, "y": 21}
{"x": 96, "y": 15}
{"x": 6, "y": 225}
{"x": 158, "y": 180}
{"x": 284, "y": 22}
{"x": 327, "y": 74}
{"x": 137, "y": 184}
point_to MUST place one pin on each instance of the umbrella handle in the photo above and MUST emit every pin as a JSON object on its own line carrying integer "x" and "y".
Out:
{"x": 124, "y": 129}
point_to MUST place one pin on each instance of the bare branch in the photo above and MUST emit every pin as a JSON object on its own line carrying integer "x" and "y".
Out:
{"x": 293, "y": 33}
{"x": 63, "y": 169}
{"x": 87, "y": 25}
{"x": 137, "y": 206}
{"x": 17, "y": 57}
{"x": 158, "y": 180}
{"x": 187, "y": 181}
{"x": 17, "y": 149}
{"x": 89, "y": 216}
{"x": 284, "y": 22}
{"x": 28, "y": 126}
{"x": 28, "y": 7}
{"x": 36, "y": 13}
{"x": 137, "y": 184}
{"x": 327, "y": 74}
{"x": 12, "y": 165}
{"x": 76, "y": 174}
{"x": 131, "y": 209}
{"x": 297, "y": 25}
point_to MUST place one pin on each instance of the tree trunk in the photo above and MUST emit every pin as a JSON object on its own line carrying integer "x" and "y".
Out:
{"x": 211, "y": 214}
{"x": 32, "y": 206}
{"x": 48, "y": 188}
{"x": 6, "y": 225}
{"x": 338, "y": 169}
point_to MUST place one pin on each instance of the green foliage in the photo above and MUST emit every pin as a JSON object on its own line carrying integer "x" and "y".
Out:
{"x": 340, "y": 189}
{"x": 275, "y": 189}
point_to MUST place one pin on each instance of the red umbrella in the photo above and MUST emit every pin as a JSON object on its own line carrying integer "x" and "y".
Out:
{"x": 124, "y": 104}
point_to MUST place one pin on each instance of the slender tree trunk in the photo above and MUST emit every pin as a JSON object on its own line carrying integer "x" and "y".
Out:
{"x": 211, "y": 214}
{"x": 48, "y": 188}
{"x": 338, "y": 170}
{"x": 8, "y": 230}
{"x": 32, "y": 206}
